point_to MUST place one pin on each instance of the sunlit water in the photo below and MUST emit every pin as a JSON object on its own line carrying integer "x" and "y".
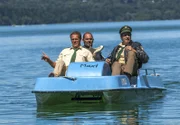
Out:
{"x": 20, "y": 63}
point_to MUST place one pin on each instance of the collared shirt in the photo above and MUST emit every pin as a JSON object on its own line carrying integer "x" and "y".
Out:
{"x": 82, "y": 55}
{"x": 122, "y": 58}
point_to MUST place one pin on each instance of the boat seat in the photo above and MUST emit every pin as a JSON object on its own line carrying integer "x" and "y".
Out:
{"x": 78, "y": 69}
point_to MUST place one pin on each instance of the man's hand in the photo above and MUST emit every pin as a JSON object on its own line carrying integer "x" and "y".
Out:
{"x": 45, "y": 57}
{"x": 108, "y": 61}
{"x": 130, "y": 48}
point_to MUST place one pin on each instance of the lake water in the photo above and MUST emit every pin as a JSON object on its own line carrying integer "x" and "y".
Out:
{"x": 21, "y": 64}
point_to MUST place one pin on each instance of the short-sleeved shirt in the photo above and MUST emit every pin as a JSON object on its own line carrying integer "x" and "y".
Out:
{"x": 82, "y": 55}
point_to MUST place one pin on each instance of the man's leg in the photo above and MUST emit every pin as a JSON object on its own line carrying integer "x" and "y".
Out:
{"x": 59, "y": 68}
{"x": 116, "y": 68}
{"x": 131, "y": 66}
{"x": 131, "y": 60}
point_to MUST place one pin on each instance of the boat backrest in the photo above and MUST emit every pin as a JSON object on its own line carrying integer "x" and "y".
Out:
{"x": 88, "y": 69}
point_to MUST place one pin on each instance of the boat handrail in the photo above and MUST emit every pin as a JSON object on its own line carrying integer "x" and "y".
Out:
{"x": 148, "y": 71}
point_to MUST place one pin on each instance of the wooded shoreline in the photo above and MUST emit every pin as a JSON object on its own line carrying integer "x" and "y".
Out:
{"x": 27, "y": 12}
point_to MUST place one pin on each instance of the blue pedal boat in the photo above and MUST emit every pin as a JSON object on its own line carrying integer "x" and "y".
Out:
{"x": 92, "y": 82}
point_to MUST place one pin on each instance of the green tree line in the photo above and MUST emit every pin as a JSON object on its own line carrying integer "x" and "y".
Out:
{"x": 26, "y": 12}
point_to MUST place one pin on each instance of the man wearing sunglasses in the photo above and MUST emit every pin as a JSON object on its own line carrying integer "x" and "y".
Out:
{"x": 127, "y": 57}
{"x": 88, "y": 44}
{"x": 75, "y": 53}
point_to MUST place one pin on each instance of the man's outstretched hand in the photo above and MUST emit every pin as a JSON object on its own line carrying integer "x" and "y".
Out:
{"x": 45, "y": 57}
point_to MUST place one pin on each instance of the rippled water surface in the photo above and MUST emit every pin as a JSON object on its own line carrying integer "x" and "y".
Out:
{"x": 21, "y": 48}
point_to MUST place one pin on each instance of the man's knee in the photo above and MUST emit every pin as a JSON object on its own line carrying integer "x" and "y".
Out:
{"x": 131, "y": 54}
{"x": 58, "y": 70}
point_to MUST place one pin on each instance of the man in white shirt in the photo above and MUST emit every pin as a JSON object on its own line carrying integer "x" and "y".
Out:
{"x": 76, "y": 53}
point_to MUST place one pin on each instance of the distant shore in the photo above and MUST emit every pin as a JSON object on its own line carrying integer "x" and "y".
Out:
{"x": 22, "y": 12}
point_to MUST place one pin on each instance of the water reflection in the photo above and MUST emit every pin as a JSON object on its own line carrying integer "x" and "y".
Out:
{"x": 96, "y": 113}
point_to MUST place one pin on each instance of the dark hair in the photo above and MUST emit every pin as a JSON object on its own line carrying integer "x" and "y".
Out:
{"x": 77, "y": 33}
{"x": 87, "y": 33}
